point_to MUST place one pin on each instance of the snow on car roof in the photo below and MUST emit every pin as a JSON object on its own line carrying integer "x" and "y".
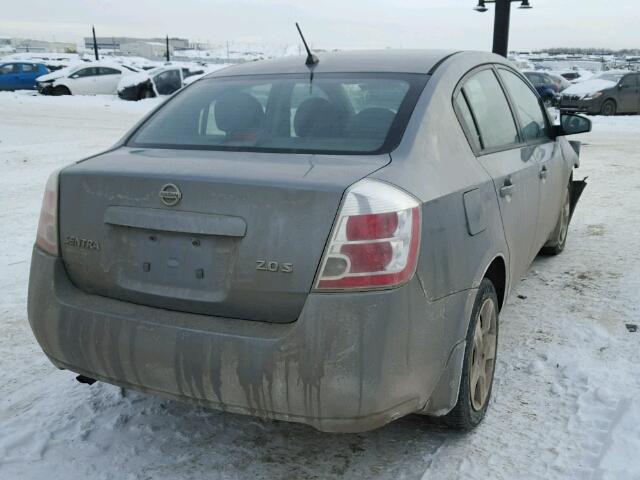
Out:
{"x": 589, "y": 86}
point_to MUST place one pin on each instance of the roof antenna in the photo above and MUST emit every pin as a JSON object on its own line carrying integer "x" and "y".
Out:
{"x": 311, "y": 58}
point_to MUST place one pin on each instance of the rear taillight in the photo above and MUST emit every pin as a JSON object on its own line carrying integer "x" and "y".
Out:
{"x": 375, "y": 241}
{"x": 47, "y": 238}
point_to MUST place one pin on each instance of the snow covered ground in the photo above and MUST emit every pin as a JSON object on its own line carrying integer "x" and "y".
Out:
{"x": 566, "y": 402}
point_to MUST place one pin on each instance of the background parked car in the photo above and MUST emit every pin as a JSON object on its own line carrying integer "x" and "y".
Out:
{"x": 151, "y": 83}
{"x": 546, "y": 87}
{"x": 86, "y": 79}
{"x": 608, "y": 93}
{"x": 20, "y": 75}
{"x": 561, "y": 82}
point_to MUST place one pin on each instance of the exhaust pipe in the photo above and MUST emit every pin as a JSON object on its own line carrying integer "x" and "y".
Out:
{"x": 86, "y": 380}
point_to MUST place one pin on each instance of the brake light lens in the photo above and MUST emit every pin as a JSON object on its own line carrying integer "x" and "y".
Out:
{"x": 375, "y": 241}
{"x": 47, "y": 238}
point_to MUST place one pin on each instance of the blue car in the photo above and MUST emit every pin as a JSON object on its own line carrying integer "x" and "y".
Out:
{"x": 544, "y": 85}
{"x": 20, "y": 75}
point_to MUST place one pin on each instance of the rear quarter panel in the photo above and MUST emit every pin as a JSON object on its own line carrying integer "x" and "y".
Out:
{"x": 435, "y": 163}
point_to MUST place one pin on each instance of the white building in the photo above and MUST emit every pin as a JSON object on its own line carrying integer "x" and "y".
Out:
{"x": 145, "y": 49}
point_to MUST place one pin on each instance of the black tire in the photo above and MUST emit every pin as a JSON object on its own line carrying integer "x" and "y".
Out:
{"x": 608, "y": 108}
{"x": 60, "y": 90}
{"x": 556, "y": 243}
{"x": 465, "y": 416}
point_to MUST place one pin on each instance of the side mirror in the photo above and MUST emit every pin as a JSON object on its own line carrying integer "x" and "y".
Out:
{"x": 572, "y": 124}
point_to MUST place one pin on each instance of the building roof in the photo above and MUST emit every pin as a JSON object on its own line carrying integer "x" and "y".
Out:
{"x": 398, "y": 61}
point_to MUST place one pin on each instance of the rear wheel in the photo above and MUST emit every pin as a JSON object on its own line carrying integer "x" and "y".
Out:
{"x": 479, "y": 361}
{"x": 61, "y": 90}
{"x": 558, "y": 239}
{"x": 608, "y": 108}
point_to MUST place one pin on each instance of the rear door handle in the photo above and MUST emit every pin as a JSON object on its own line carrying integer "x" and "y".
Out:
{"x": 506, "y": 189}
{"x": 544, "y": 172}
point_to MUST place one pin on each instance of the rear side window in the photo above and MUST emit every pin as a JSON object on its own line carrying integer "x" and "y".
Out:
{"x": 463, "y": 110}
{"x": 530, "y": 111}
{"x": 109, "y": 71}
{"x": 10, "y": 68}
{"x": 85, "y": 72}
{"x": 491, "y": 111}
{"x": 329, "y": 113}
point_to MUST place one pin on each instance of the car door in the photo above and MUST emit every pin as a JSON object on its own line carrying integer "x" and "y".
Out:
{"x": 83, "y": 81}
{"x": 108, "y": 80}
{"x": 501, "y": 151}
{"x": 9, "y": 76}
{"x": 542, "y": 149}
{"x": 628, "y": 94}
{"x": 634, "y": 92}
{"x": 168, "y": 81}
{"x": 28, "y": 75}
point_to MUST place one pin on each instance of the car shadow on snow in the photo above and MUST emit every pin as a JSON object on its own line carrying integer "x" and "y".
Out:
{"x": 172, "y": 437}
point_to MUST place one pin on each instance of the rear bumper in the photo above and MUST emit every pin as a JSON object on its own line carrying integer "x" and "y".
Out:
{"x": 351, "y": 362}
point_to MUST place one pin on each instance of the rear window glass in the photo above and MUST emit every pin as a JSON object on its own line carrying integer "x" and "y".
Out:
{"x": 329, "y": 113}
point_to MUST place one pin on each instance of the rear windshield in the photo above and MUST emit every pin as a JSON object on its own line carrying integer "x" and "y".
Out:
{"x": 326, "y": 113}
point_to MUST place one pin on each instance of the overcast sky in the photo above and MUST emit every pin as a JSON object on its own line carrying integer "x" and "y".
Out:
{"x": 330, "y": 23}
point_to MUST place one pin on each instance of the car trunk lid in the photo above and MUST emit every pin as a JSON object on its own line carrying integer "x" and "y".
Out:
{"x": 236, "y": 235}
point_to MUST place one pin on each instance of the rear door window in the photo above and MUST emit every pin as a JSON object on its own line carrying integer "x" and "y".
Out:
{"x": 109, "y": 71}
{"x": 531, "y": 113}
{"x": 491, "y": 111}
{"x": 29, "y": 68}
{"x": 10, "y": 68}
{"x": 468, "y": 122}
{"x": 86, "y": 72}
{"x": 168, "y": 82}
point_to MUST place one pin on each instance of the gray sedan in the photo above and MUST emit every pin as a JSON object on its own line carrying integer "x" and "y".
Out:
{"x": 608, "y": 93}
{"x": 328, "y": 243}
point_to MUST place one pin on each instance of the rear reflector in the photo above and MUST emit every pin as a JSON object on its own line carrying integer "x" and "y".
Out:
{"x": 375, "y": 240}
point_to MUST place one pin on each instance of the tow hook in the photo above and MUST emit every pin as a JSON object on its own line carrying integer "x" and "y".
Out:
{"x": 87, "y": 380}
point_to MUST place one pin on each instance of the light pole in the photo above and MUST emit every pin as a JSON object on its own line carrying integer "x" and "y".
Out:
{"x": 501, "y": 22}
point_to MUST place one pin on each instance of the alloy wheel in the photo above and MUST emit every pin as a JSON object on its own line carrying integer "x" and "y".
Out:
{"x": 564, "y": 220}
{"x": 483, "y": 354}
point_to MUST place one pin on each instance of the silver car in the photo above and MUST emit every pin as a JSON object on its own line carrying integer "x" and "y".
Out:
{"x": 328, "y": 243}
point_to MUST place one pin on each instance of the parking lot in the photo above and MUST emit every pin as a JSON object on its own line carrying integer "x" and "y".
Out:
{"x": 565, "y": 403}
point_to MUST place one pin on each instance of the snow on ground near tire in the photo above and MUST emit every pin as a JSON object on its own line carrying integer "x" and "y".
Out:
{"x": 566, "y": 401}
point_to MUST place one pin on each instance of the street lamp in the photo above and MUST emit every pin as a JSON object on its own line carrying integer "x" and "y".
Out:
{"x": 501, "y": 22}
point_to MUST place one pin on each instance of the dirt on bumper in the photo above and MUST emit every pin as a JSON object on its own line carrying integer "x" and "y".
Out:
{"x": 351, "y": 362}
